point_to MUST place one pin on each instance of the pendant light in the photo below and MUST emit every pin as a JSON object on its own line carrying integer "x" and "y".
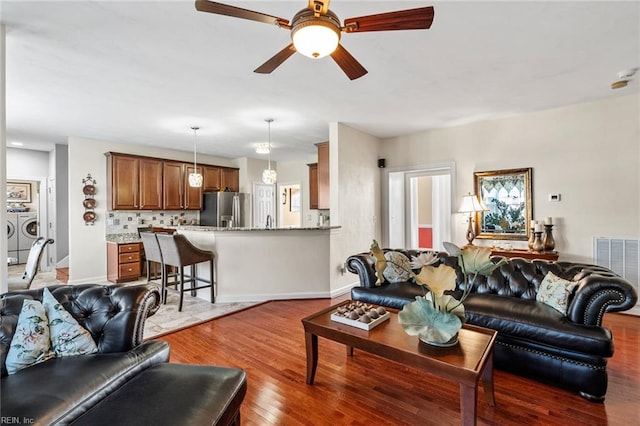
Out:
{"x": 195, "y": 178}
{"x": 269, "y": 176}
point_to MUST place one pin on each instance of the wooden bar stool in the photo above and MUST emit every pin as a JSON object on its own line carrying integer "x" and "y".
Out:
{"x": 176, "y": 250}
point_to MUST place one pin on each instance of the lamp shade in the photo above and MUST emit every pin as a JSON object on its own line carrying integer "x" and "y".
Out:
{"x": 195, "y": 180}
{"x": 316, "y": 39}
{"x": 471, "y": 203}
{"x": 269, "y": 176}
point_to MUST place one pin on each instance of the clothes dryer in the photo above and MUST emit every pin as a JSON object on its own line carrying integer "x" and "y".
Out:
{"x": 27, "y": 234}
{"x": 12, "y": 235}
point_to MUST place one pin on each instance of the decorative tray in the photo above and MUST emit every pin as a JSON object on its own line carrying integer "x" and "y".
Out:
{"x": 360, "y": 315}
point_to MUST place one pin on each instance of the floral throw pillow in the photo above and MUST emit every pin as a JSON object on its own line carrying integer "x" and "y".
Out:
{"x": 398, "y": 267}
{"x": 555, "y": 291}
{"x": 68, "y": 338}
{"x": 30, "y": 344}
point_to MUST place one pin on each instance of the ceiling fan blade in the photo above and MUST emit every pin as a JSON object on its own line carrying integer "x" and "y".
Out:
{"x": 276, "y": 60}
{"x": 237, "y": 12}
{"x": 348, "y": 63}
{"x": 410, "y": 19}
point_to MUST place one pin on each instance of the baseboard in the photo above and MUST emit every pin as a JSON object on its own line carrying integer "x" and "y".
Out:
{"x": 91, "y": 280}
{"x": 344, "y": 290}
{"x": 271, "y": 296}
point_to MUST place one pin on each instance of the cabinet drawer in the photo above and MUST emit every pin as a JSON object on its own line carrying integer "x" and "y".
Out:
{"x": 129, "y": 257}
{"x": 129, "y": 270}
{"x": 128, "y": 248}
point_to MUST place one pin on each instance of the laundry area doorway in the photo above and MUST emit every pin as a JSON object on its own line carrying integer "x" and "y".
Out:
{"x": 290, "y": 202}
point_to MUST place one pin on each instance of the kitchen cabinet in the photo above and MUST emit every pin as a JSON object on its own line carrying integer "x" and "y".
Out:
{"x": 211, "y": 178}
{"x": 313, "y": 185}
{"x": 323, "y": 175}
{"x": 230, "y": 178}
{"x": 135, "y": 183}
{"x": 150, "y": 185}
{"x": 123, "y": 262}
{"x": 177, "y": 194}
{"x": 123, "y": 178}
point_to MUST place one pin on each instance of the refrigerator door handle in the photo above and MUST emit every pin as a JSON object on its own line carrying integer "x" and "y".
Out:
{"x": 235, "y": 212}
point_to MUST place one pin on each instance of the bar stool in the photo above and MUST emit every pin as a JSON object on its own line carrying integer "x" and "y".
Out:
{"x": 152, "y": 254}
{"x": 176, "y": 250}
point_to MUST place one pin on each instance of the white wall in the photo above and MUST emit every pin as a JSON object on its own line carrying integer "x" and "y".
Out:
{"x": 3, "y": 161}
{"x": 355, "y": 197}
{"x": 87, "y": 246}
{"x": 589, "y": 153}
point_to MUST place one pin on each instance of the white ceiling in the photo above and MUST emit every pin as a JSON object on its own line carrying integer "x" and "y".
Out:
{"x": 144, "y": 72}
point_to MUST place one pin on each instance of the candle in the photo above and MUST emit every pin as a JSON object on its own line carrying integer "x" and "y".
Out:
{"x": 548, "y": 221}
{"x": 533, "y": 223}
{"x": 538, "y": 227}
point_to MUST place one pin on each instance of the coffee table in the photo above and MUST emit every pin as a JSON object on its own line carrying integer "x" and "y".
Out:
{"x": 466, "y": 363}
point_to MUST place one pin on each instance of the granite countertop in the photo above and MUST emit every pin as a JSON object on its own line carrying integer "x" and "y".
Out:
{"x": 123, "y": 238}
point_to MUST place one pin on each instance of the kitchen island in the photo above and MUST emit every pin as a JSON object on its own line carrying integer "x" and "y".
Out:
{"x": 255, "y": 264}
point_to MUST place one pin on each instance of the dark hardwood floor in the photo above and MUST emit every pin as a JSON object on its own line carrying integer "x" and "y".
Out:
{"x": 268, "y": 342}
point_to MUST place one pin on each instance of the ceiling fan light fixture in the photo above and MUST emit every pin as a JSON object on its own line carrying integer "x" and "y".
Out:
{"x": 315, "y": 36}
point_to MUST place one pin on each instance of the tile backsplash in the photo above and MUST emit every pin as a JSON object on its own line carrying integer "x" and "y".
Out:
{"x": 123, "y": 222}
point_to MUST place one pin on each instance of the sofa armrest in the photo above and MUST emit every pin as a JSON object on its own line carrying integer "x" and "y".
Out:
{"x": 362, "y": 264}
{"x": 597, "y": 294}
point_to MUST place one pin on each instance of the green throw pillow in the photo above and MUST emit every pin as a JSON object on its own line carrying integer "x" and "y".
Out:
{"x": 555, "y": 291}
{"x": 68, "y": 338}
{"x": 398, "y": 267}
{"x": 30, "y": 343}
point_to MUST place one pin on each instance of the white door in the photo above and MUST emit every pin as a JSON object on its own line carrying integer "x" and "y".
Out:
{"x": 50, "y": 232}
{"x": 405, "y": 201}
{"x": 264, "y": 204}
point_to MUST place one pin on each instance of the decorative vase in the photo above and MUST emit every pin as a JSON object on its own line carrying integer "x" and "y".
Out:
{"x": 549, "y": 242}
{"x": 538, "y": 247}
{"x": 451, "y": 342}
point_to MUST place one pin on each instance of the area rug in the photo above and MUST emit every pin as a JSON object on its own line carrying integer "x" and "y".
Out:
{"x": 167, "y": 319}
{"x": 194, "y": 311}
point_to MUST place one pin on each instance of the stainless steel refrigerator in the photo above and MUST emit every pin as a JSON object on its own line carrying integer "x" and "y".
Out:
{"x": 225, "y": 209}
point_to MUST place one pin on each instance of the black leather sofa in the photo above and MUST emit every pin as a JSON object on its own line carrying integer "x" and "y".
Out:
{"x": 534, "y": 340}
{"x": 128, "y": 381}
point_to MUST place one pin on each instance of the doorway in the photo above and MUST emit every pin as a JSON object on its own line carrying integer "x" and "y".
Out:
{"x": 419, "y": 208}
{"x": 290, "y": 203}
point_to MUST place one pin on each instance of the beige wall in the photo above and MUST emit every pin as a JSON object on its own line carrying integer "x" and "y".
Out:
{"x": 425, "y": 205}
{"x": 355, "y": 197}
{"x": 589, "y": 153}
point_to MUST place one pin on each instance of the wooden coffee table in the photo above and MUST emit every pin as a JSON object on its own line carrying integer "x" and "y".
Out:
{"x": 465, "y": 363}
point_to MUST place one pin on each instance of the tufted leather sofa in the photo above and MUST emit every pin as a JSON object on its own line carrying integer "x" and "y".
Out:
{"x": 534, "y": 340}
{"x": 126, "y": 381}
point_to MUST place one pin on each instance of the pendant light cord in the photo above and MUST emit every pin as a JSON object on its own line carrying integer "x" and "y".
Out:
{"x": 269, "y": 120}
{"x": 195, "y": 129}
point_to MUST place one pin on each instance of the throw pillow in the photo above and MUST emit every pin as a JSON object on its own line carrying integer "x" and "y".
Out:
{"x": 30, "y": 344}
{"x": 68, "y": 338}
{"x": 555, "y": 292}
{"x": 398, "y": 267}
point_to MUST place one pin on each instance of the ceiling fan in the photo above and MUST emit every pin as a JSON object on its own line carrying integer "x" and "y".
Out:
{"x": 315, "y": 30}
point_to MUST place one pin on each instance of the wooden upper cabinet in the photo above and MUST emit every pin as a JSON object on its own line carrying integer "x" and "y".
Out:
{"x": 192, "y": 196}
{"x": 313, "y": 185}
{"x": 323, "y": 175}
{"x": 172, "y": 179}
{"x": 230, "y": 178}
{"x": 211, "y": 178}
{"x": 123, "y": 177}
{"x": 150, "y": 177}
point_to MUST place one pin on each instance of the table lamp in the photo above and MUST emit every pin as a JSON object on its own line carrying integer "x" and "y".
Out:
{"x": 471, "y": 204}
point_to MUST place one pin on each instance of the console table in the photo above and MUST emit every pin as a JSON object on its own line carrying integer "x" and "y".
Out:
{"x": 525, "y": 254}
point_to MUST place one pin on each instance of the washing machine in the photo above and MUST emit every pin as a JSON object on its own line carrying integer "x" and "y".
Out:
{"x": 12, "y": 235}
{"x": 27, "y": 234}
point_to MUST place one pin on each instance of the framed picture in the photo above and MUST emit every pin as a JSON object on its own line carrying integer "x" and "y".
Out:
{"x": 18, "y": 192}
{"x": 508, "y": 197}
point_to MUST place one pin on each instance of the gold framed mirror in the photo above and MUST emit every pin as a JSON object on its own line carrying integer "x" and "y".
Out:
{"x": 508, "y": 198}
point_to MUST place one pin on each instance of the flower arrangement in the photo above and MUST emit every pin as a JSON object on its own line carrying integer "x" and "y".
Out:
{"x": 437, "y": 317}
